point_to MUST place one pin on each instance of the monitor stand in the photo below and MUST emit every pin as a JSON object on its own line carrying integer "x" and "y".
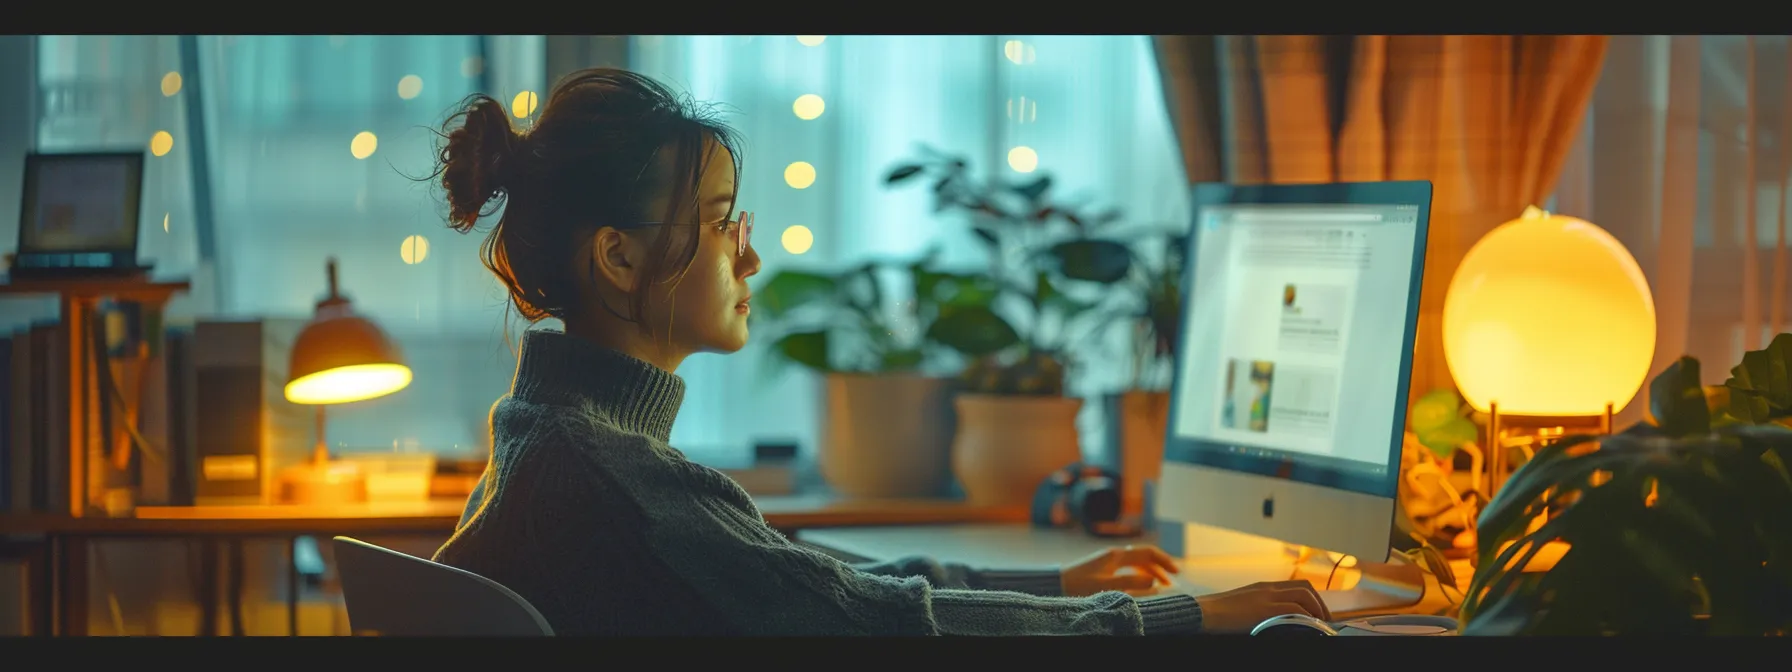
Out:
{"x": 1216, "y": 560}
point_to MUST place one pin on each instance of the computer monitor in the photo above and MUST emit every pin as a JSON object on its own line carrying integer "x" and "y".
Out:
{"x": 79, "y": 213}
{"x": 1288, "y": 403}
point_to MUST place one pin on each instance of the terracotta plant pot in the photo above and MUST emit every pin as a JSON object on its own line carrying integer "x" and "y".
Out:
{"x": 1007, "y": 445}
{"x": 886, "y": 436}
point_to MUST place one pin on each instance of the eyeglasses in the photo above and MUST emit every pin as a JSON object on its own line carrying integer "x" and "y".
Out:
{"x": 741, "y": 226}
{"x": 743, "y": 232}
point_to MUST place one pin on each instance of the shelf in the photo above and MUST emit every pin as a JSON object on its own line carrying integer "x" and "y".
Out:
{"x": 120, "y": 287}
{"x": 439, "y": 516}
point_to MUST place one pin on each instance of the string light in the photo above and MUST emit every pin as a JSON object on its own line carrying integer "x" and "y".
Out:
{"x": 523, "y": 104}
{"x": 808, "y": 106}
{"x": 171, "y": 83}
{"x": 797, "y": 239}
{"x": 1018, "y": 52}
{"x": 409, "y": 86}
{"x": 161, "y": 143}
{"x": 1023, "y": 159}
{"x": 414, "y": 249}
{"x": 811, "y": 40}
{"x": 799, "y": 175}
{"x": 364, "y": 144}
{"x": 1026, "y": 110}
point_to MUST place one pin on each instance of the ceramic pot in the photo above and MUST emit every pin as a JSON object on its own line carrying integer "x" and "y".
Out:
{"x": 886, "y": 436}
{"x": 1006, "y": 445}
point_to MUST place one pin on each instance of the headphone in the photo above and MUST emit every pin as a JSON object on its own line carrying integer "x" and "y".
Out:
{"x": 1082, "y": 495}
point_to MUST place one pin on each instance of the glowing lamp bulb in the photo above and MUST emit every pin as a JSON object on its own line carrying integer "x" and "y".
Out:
{"x": 346, "y": 384}
{"x": 1549, "y": 316}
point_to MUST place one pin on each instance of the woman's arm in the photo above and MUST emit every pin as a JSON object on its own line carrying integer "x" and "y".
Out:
{"x": 708, "y": 533}
{"x": 1042, "y": 582}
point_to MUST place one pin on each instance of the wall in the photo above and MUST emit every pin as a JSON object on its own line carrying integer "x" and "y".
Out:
{"x": 18, "y": 125}
{"x": 18, "y": 133}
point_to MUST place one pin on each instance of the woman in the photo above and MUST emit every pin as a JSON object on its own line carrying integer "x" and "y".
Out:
{"x": 619, "y": 221}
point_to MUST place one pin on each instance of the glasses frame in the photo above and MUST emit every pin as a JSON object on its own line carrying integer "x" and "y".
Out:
{"x": 743, "y": 230}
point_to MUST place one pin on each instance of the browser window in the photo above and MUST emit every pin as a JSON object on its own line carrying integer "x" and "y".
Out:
{"x": 1294, "y": 330}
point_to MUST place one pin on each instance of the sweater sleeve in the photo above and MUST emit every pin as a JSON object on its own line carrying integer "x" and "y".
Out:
{"x": 1042, "y": 582}
{"x": 714, "y": 540}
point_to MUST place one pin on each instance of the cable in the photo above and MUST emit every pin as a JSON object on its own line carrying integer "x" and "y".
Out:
{"x": 1334, "y": 573}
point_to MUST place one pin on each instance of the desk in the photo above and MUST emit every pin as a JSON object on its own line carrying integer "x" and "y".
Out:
{"x": 1020, "y": 546}
{"x": 59, "y": 568}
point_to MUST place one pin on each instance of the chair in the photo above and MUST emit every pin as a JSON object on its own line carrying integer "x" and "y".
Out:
{"x": 393, "y": 594}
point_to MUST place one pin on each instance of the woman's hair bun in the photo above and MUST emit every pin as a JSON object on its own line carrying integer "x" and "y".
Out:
{"x": 477, "y": 159}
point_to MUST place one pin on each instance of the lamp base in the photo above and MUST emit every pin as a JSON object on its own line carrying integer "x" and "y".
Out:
{"x": 1527, "y": 434}
{"x": 323, "y": 483}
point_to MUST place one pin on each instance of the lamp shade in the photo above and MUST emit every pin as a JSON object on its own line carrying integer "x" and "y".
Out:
{"x": 341, "y": 357}
{"x": 1549, "y": 316}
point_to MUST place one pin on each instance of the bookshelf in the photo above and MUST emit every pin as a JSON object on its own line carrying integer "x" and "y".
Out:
{"x": 82, "y": 442}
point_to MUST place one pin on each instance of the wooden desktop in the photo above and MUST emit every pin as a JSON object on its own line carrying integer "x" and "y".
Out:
{"x": 59, "y": 571}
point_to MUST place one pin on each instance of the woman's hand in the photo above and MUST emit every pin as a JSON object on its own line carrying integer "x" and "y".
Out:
{"x": 1238, "y": 611}
{"x": 1107, "y": 571}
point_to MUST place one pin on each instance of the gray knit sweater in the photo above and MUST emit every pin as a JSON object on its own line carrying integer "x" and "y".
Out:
{"x": 587, "y": 513}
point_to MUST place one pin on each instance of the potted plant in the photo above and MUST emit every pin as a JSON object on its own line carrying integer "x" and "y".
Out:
{"x": 1015, "y": 426}
{"x": 1442, "y": 477}
{"x": 1675, "y": 525}
{"x": 887, "y": 422}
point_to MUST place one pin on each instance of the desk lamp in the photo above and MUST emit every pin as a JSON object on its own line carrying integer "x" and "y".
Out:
{"x": 339, "y": 357}
{"x": 1549, "y": 329}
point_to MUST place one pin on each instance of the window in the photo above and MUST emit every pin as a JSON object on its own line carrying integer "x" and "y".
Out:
{"x": 1089, "y": 109}
{"x": 126, "y": 92}
{"x": 311, "y": 141}
{"x": 314, "y": 141}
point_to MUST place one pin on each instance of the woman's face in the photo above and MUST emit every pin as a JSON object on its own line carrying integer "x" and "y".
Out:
{"x": 706, "y": 309}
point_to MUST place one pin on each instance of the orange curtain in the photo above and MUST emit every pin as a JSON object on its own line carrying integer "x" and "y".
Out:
{"x": 1488, "y": 119}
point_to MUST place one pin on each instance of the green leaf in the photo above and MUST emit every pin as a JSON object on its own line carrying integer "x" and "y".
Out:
{"x": 1677, "y": 400}
{"x": 955, "y": 290}
{"x": 1665, "y": 535}
{"x": 974, "y": 331}
{"x": 902, "y": 360}
{"x": 789, "y": 290}
{"x": 902, "y": 173}
{"x": 1760, "y": 386}
{"x": 1092, "y": 260}
{"x": 808, "y": 348}
{"x": 1036, "y": 189}
{"x": 1436, "y": 409}
{"x": 1444, "y": 439}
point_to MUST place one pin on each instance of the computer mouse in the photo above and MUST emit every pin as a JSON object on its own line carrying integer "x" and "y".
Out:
{"x": 1297, "y": 625}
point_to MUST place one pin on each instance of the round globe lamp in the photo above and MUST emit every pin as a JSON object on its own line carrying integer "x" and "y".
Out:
{"x": 339, "y": 357}
{"x": 1549, "y": 328}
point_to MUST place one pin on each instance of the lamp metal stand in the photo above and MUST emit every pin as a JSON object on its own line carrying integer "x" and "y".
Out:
{"x": 1539, "y": 431}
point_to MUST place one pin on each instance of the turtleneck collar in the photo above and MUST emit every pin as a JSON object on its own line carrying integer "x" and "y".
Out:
{"x": 555, "y": 368}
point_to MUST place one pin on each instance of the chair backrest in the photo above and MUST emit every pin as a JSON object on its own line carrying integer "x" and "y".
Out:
{"x": 394, "y": 594}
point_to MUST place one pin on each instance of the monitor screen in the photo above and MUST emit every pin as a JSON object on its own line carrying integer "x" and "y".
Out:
{"x": 81, "y": 202}
{"x": 1297, "y": 338}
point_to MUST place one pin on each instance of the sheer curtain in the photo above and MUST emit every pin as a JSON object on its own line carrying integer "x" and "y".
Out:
{"x": 1089, "y": 106}
{"x": 314, "y": 141}
{"x": 110, "y": 93}
{"x": 1685, "y": 154}
{"x": 291, "y": 184}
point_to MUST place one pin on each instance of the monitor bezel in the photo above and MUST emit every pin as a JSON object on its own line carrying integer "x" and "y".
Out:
{"x": 1212, "y": 454}
{"x": 28, "y": 196}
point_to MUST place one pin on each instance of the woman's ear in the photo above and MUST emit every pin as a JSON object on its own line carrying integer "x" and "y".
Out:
{"x": 615, "y": 258}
